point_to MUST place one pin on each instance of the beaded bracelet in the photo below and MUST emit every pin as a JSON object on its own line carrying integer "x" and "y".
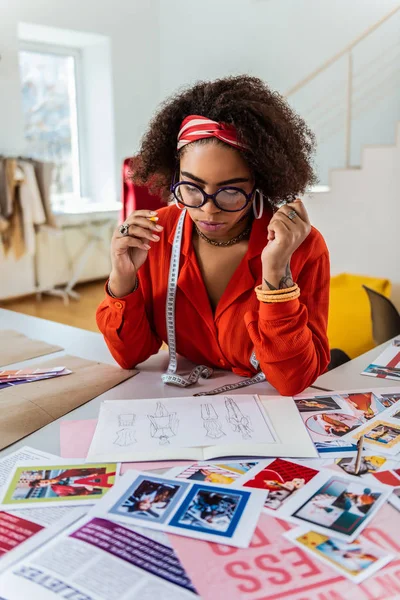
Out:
{"x": 259, "y": 290}
{"x": 274, "y": 296}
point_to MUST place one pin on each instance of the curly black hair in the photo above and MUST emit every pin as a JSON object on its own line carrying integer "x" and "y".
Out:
{"x": 280, "y": 146}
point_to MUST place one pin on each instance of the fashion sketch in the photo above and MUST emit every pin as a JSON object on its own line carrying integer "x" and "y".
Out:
{"x": 211, "y": 422}
{"x": 126, "y": 435}
{"x": 163, "y": 424}
{"x": 237, "y": 420}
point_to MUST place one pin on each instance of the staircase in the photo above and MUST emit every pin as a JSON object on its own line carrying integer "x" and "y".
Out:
{"x": 351, "y": 100}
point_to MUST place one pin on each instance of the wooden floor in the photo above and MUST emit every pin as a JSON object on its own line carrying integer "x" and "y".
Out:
{"x": 79, "y": 313}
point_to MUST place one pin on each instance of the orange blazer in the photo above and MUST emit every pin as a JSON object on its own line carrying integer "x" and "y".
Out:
{"x": 289, "y": 338}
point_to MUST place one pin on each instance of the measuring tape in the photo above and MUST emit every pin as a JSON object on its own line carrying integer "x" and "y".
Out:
{"x": 171, "y": 377}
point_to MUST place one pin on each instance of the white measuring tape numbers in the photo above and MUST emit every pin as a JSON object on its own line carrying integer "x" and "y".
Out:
{"x": 171, "y": 377}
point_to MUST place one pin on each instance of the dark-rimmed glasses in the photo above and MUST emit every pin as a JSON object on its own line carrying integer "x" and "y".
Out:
{"x": 228, "y": 199}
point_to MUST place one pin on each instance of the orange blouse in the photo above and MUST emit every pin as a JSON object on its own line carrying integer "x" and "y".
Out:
{"x": 289, "y": 338}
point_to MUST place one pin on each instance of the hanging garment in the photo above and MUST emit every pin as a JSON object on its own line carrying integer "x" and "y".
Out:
{"x": 31, "y": 205}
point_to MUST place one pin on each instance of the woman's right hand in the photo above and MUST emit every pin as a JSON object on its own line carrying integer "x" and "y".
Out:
{"x": 129, "y": 252}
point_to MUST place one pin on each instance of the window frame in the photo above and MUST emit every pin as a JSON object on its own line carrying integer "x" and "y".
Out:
{"x": 62, "y": 200}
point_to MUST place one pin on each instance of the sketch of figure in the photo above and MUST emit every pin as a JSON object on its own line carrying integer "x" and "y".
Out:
{"x": 126, "y": 420}
{"x": 163, "y": 424}
{"x": 211, "y": 422}
{"x": 237, "y": 420}
{"x": 125, "y": 437}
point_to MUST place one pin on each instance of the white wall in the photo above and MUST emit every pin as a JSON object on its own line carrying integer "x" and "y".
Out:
{"x": 133, "y": 29}
{"x": 360, "y": 216}
{"x": 282, "y": 41}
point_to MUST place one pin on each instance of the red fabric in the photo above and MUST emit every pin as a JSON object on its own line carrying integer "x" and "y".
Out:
{"x": 136, "y": 197}
{"x": 100, "y": 480}
{"x": 196, "y": 127}
{"x": 70, "y": 490}
{"x": 289, "y": 338}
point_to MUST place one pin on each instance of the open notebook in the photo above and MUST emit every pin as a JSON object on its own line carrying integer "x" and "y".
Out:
{"x": 199, "y": 428}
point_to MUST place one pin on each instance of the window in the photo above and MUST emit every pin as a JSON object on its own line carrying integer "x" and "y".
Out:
{"x": 50, "y": 101}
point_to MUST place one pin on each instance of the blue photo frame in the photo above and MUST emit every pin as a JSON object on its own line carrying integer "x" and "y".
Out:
{"x": 148, "y": 516}
{"x": 239, "y": 500}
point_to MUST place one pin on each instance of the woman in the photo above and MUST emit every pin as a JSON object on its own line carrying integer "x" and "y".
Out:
{"x": 233, "y": 156}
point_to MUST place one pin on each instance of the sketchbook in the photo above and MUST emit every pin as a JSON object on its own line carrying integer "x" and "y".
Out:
{"x": 199, "y": 428}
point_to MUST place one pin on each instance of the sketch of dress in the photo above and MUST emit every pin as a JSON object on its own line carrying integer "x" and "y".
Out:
{"x": 125, "y": 437}
{"x": 211, "y": 422}
{"x": 237, "y": 420}
{"x": 126, "y": 420}
{"x": 163, "y": 424}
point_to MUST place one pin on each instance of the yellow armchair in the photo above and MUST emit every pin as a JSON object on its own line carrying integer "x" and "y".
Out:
{"x": 349, "y": 324}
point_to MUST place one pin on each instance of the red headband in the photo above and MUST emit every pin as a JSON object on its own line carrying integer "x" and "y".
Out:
{"x": 195, "y": 127}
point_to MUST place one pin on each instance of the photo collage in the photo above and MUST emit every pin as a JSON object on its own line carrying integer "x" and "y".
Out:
{"x": 383, "y": 431}
{"x": 338, "y": 506}
{"x": 193, "y": 508}
{"x": 331, "y": 417}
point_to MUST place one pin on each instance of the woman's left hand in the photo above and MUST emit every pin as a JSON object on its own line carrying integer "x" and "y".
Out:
{"x": 287, "y": 229}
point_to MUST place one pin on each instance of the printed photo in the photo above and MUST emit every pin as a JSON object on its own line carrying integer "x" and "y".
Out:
{"x": 150, "y": 499}
{"x": 238, "y": 467}
{"x": 282, "y": 479}
{"x": 209, "y": 472}
{"x": 52, "y": 483}
{"x": 389, "y": 399}
{"x": 352, "y": 559}
{"x": 332, "y": 424}
{"x": 334, "y": 447}
{"x": 382, "y": 433}
{"x": 383, "y": 371}
{"x": 211, "y": 510}
{"x": 340, "y": 506}
{"x": 369, "y": 464}
{"x": 317, "y": 404}
{"x": 396, "y": 414}
{"x": 366, "y": 404}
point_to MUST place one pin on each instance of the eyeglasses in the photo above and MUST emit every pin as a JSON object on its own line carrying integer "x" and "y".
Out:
{"x": 229, "y": 199}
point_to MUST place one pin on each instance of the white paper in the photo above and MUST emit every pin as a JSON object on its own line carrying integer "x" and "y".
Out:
{"x": 225, "y": 515}
{"x": 63, "y": 482}
{"x": 133, "y": 428}
{"x": 355, "y": 560}
{"x": 335, "y": 504}
{"x": 386, "y": 365}
{"x": 97, "y": 559}
{"x": 16, "y": 526}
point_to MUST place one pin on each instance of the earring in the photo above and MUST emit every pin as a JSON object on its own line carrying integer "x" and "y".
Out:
{"x": 177, "y": 204}
{"x": 258, "y": 214}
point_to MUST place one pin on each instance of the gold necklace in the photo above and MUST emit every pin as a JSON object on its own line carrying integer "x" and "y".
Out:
{"x": 231, "y": 242}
